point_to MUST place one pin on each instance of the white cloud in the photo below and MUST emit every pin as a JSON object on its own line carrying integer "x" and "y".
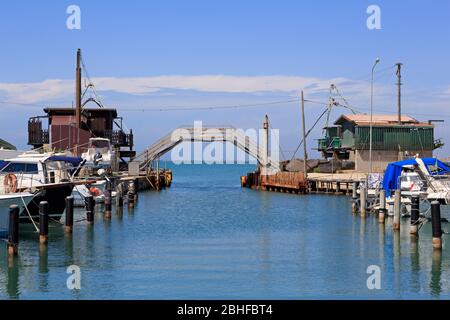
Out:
{"x": 37, "y": 91}
{"x": 447, "y": 92}
{"x": 57, "y": 89}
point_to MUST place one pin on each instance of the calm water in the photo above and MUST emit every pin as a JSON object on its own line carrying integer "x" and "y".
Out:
{"x": 206, "y": 238}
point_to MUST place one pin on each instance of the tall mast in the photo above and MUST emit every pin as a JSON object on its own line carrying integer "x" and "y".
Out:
{"x": 78, "y": 90}
{"x": 305, "y": 154}
{"x": 399, "y": 92}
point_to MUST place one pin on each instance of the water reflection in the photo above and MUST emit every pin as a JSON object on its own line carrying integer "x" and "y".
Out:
{"x": 381, "y": 240}
{"x": 295, "y": 244}
{"x": 68, "y": 248}
{"x": 397, "y": 260}
{"x": 436, "y": 271}
{"x": 362, "y": 235}
{"x": 13, "y": 278}
{"x": 415, "y": 264}
{"x": 43, "y": 267}
{"x": 119, "y": 213}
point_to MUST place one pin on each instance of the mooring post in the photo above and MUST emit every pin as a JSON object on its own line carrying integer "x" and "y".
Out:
{"x": 158, "y": 182}
{"x": 363, "y": 200}
{"x": 119, "y": 195}
{"x": 354, "y": 190}
{"x": 131, "y": 196}
{"x": 382, "y": 199}
{"x": 382, "y": 210}
{"x": 415, "y": 203}
{"x": 43, "y": 222}
{"x": 436, "y": 224}
{"x": 397, "y": 208}
{"x": 69, "y": 215}
{"x": 136, "y": 188}
{"x": 354, "y": 198}
{"x": 119, "y": 199}
{"x": 13, "y": 233}
{"x": 90, "y": 207}
{"x": 107, "y": 193}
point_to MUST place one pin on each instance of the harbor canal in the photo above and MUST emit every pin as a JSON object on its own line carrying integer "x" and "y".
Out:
{"x": 208, "y": 238}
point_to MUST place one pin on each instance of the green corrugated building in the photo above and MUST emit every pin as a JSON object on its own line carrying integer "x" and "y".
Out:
{"x": 349, "y": 139}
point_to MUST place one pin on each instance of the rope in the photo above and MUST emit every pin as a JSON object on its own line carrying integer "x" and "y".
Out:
{"x": 29, "y": 214}
{"x": 56, "y": 221}
{"x": 214, "y": 107}
{"x": 307, "y": 134}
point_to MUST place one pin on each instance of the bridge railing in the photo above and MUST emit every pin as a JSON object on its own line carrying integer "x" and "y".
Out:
{"x": 225, "y": 134}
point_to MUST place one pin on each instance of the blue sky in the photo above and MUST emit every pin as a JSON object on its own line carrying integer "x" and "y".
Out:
{"x": 158, "y": 54}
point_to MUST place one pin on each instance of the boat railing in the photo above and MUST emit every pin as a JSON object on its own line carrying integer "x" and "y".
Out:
{"x": 24, "y": 182}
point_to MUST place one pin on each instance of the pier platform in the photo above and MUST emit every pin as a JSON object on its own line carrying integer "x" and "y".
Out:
{"x": 295, "y": 182}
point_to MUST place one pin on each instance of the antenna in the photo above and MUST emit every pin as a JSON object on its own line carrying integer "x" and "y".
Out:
{"x": 399, "y": 91}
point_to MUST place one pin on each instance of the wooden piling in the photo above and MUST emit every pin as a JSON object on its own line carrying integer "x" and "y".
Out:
{"x": 382, "y": 210}
{"x": 43, "y": 222}
{"x": 354, "y": 190}
{"x": 131, "y": 195}
{"x": 108, "y": 202}
{"x": 136, "y": 188}
{"x": 119, "y": 195}
{"x": 354, "y": 198}
{"x": 90, "y": 207}
{"x": 414, "y": 227}
{"x": 382, "y": 199}
{"x": 397, "y": 208}
{"x": 119, "y": 200}
{"x": 68, "y": 227}
{"x": 436, "y": 224}
{"x": 382, "y": 214}
{"x": 363, "y": 201}
{"x": 13, "y": 233}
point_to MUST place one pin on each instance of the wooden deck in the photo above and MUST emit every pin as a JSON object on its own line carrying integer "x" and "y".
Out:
{"x": 295, "y": 182}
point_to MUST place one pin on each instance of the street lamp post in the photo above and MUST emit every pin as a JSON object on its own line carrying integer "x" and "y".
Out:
{"x": 371, "y": 116}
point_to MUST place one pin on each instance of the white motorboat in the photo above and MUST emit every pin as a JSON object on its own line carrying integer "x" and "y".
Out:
{"x": 46, "y": 176}
{"x": 6, "y": 200}
{"x": 427, "y": 178}
{"x": 99, "y": 153}
{"x": 80, "y": 192}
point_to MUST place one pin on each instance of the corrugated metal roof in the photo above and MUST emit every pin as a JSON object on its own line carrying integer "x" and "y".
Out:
{"x": 379, "y": 119}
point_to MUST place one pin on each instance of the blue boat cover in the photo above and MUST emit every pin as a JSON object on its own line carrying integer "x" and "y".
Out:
{"x": 2, "y": 164}
{"x": 75, "y": 161}
{"x": 394, "y": 170}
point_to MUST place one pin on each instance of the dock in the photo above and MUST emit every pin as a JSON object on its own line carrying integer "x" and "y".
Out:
{"x": 295, "y": 182}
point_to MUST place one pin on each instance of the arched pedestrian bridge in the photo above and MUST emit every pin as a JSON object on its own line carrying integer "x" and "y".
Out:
{"x": 209, "y": 134}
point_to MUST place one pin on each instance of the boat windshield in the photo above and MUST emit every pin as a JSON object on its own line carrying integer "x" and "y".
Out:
{"x": 100, "y": 144}
{"x": 435, "y": 170}
{"x": 19, "y": 167}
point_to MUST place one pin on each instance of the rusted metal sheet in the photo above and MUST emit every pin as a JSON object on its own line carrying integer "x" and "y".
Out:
{"x": 284, "y": 179}
{"x": 292, "y": 180}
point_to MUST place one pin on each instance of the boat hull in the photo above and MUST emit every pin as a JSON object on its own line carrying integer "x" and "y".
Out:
{"x": 55, "y": 195}
{"x": 6, "y": 201}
